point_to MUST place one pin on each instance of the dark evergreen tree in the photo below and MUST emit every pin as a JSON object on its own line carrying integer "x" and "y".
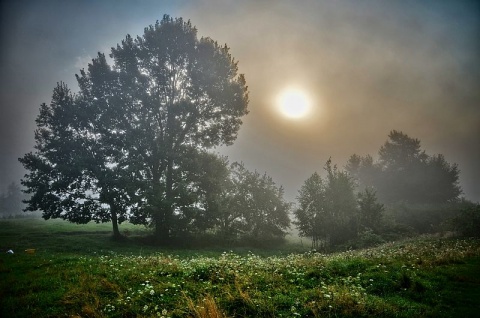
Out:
{"x": 441, "y": 180}
{"x": 400, "y": 152}
{"x": 401, "y": 161}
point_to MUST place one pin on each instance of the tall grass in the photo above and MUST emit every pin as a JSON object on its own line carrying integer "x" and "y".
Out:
{"x": 88, "y": 275}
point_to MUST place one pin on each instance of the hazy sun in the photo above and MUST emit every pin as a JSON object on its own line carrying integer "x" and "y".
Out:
{"x": 294, "y": 103}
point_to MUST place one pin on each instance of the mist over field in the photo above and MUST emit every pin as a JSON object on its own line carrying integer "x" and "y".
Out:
{"x": 239, "y": 158}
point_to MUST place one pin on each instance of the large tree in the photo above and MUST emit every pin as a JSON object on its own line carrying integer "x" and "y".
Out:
{"x": 128, "y": 136}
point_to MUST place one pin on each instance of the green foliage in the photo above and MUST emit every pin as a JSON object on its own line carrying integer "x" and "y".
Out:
{"x": 256, "y": 206}
{"x": 328, "y": 208}
{"x": 467, "y": 222}
{"x": 126, "y": 145}
{"x": 368, "y": 238}
{"x": 309, "y": 216}
{"x": 370, "y": 212}
{"x": 202, "y": 195}
{"x": 228, "y": 205}
{"x": 417, "y": 278}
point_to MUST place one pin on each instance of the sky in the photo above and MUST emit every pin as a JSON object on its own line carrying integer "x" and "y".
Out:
{"x": 366, "y": 67}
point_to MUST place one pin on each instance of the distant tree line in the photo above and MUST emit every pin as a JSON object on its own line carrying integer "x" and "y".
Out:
{"x": 405, "y": 173}
{"x": 11, "y": 201}
{"x": 403, "y": 192}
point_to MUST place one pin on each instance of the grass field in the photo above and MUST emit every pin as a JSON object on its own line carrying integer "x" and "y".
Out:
{"x": 78, "y": 271}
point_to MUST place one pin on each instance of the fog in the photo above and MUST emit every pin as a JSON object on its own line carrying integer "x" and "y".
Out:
{"x": 369, "y": 67}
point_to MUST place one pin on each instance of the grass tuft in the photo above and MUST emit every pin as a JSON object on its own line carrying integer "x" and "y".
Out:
{"x": 204, "y": 308}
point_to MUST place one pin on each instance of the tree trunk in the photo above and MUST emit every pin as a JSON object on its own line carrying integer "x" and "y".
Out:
{"x": 116, "y": 232}
{"x": 169, "y": 200}
{"x": 161, "y": 225}
{"x": 164, "y": 212}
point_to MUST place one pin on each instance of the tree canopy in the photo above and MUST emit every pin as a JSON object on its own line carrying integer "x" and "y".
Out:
{"x": 405, "y": 173}
{"x": 126, "y": 143}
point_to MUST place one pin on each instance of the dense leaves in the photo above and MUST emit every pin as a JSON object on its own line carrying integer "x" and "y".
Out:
{"x": 128, "y": 142}
{"x": 370, "y": 211}
{"x": 328, "y": 208}
{"x": 258, "y": 204}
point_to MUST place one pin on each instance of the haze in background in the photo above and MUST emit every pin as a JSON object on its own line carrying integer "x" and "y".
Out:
{"x": 368, "y": 67}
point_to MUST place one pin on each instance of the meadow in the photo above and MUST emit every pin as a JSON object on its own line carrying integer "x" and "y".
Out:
{"x": 79, "y": 271}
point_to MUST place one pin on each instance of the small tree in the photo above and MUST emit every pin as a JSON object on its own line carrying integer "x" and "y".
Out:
{"x": 341, "y": 205}
{"x": 370, "y": 212}
{"x": 364, "y": 172}
{"x": 256, "y": 205}
{"x": 441, "y": 180}
{"x": 327, "y": 211}
{"x": 310, "y": 216}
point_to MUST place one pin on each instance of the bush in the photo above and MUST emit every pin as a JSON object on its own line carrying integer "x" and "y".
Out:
{"x": 426, "y": 218}
{"x": 368, "y": 238}
{"x": 467, "y": 222}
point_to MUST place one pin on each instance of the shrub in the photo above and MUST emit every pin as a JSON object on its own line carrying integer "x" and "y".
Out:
{"x": 368, "y": 238}
{"x": 467, "y": 222}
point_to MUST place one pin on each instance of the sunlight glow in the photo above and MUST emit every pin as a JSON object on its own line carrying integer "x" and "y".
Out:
{"x": 294, "y": 103}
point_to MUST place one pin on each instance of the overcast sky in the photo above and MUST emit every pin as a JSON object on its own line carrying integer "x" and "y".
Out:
{"x": 368, "y": 67}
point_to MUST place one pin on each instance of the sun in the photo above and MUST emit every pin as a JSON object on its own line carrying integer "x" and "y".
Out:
{"x": 294, "y": 103}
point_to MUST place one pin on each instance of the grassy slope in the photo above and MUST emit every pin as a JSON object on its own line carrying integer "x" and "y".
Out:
{"x": 78, "y": 271}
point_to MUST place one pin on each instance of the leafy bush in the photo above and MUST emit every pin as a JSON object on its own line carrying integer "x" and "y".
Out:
{"x": 426, "y": 218}
{"x": 368, "y": 238}
{"x": 467, "y": 222}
